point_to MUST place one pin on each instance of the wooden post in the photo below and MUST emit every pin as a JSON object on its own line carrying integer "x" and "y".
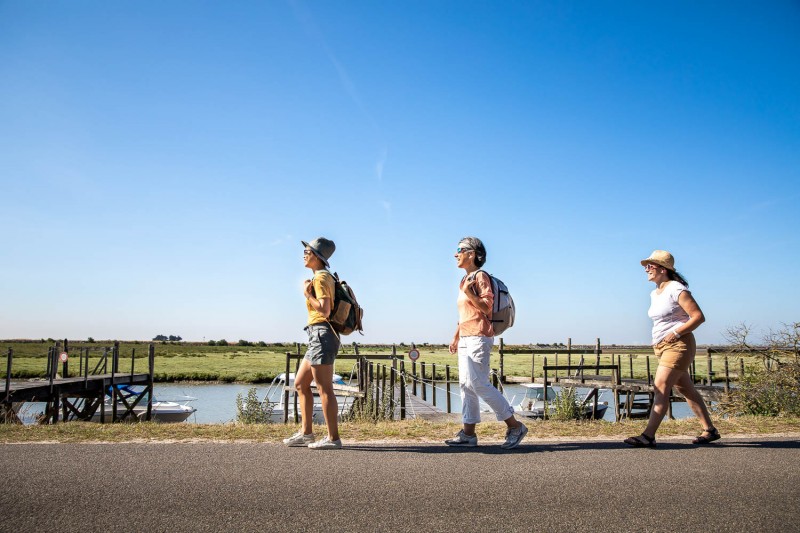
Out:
{"x": 709, "y": 371}
{"x": 374, "y": 382}
{"x": 65, "y": 365}
{"x": 422, "y": 372}
{"x": 727, "y": 377}
{"x": 394, "y": 356}
{"x": 392, "y": 385}
{"x": 597, "y": 356}
{"x": 433, "y": 383}
{"x": 9, "y": 358}
{"x": 383, "y": 402}
{"x": 286, "y": 389}
{"x": 533, "y": 368}
{"x": 414, "y": 378}
{"x": 114, "y": 363}
{"x": 649, "y": 377}
{"x": 502, "y": 371}
{"x": 402, "y": 390}
{"x": 447, "y": 386}
{"x": 615, "y": 392}
{"x": 151, "y": 367}
{"x": 133, "y": 361}
{"x": 741, "y": 370}
{"x": 544, "y": 394}
{"x": 569, "y": 356}
{"x": 630, "y": 363}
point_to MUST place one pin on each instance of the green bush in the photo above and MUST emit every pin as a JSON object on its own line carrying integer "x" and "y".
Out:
{"x": 773, "y": 391}
{"x": 251, "y": 410}
{"x": 566, "y": 405}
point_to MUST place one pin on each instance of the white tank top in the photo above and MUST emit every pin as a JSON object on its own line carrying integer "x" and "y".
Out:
{"x": 665, "y": 310}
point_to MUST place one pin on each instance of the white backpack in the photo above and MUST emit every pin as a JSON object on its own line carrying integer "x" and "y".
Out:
{"x": 503, "y": 311}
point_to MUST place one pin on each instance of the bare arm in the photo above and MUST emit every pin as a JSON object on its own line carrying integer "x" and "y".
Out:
{"x": 454, "y": 345}
{"x": 321, "y": 305}
{"x": 696, "y": 316}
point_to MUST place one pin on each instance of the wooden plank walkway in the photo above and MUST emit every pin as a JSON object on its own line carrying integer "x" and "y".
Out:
{"x": 40, "y": 391}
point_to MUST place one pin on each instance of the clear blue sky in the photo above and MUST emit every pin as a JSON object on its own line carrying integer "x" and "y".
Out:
{"x": 161, "y": 161}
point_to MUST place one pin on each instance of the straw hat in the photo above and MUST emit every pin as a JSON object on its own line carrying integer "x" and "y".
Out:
{"x": 322, "y": 248}
{"x": 661, "y": 258}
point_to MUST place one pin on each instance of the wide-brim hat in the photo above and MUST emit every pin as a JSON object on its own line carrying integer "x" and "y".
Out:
{"x": 322, "y": 248}
{"x": 661, "y": 258}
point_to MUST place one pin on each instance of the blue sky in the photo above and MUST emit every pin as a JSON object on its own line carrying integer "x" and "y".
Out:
{"x": 161, "y": 162}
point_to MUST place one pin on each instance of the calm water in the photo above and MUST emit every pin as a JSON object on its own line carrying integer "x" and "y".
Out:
{"x": 216, "y": 403}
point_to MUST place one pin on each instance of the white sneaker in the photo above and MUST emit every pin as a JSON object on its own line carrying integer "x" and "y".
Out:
{"x": 299, "y": 439}
{"x": 326, "y": 444}
{"x": 462, "y": 439}
{"x": 514, "y": 436}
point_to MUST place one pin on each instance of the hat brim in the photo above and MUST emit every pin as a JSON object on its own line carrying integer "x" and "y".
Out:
{"x": 656, "y": 262}
{"x": 324, "y": 261}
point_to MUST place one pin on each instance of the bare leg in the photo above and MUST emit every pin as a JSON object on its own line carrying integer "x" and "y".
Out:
{"x": 695, "y": 401}
{"x": 305, "y": 398}
{"x": 664, "y": 380}
{"x": 512, "y": 422}
{"x": 469, "y": 429}
{"x": 323, "y": 376}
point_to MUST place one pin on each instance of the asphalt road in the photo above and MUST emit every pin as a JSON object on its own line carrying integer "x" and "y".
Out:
{"x": 733, "y": 485}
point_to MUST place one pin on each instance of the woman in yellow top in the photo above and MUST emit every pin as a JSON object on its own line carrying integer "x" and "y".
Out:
{"x": 473, "y": 341}
{"x": 323, "y": 345}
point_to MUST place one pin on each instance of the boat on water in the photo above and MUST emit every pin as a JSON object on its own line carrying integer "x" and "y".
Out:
{"x": 275, "y": 398}
{"x": 532, "y": 403}
{"x": 161, "y": 411}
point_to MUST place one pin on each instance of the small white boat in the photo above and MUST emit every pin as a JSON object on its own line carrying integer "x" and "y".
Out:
{"x": 275, "y": 398}
{"x": 161, "y": 411}
{"x": 532, "y": 403}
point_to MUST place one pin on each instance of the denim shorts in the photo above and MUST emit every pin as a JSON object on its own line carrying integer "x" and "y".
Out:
{"x": 323, "y": 344}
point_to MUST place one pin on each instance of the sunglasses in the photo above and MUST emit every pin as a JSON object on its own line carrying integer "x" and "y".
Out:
{"x": 307, "y": 252}
{"x": 462, "y": 250}
{"x": 651, "y": 266}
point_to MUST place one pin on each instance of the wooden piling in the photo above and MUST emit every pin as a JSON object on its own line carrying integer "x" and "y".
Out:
{"x": 402, "y": 390}
{"x": 422, "y": 376}
{"x": 447, "y": 386}
{"x": 727, "y": 376}
{"x": 433, "y": 384}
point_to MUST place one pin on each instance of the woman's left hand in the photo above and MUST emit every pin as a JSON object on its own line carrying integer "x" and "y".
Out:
{"x": 468, "y": 284}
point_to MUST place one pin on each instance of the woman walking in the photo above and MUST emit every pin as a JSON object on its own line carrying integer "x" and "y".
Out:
{"x": 323, "y": 345}
{"x": 675, "y": 315}
{"x": 473, "y": 342}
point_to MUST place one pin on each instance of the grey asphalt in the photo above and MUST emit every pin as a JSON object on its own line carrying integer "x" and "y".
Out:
{"x": 733, "y": 485}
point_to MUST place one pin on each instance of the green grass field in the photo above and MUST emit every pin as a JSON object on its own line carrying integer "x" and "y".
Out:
{"x": 256, "y": 364}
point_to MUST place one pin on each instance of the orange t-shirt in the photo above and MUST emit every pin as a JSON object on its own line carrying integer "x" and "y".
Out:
{"x": 471, "y": 321}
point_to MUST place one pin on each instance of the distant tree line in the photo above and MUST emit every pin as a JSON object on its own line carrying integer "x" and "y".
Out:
{"x": 171, "y": 338}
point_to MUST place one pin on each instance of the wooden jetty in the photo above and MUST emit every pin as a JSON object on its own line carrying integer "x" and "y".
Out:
{"x": 81, "y": 397}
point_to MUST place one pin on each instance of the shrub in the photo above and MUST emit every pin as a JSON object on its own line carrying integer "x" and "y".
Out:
{"x": 212, "y": 343}
{"x": 566, "y": 405}
{"x": 773, "y": 391}
{"x": 251, "y": 410}
{"x": 222, "y": 342}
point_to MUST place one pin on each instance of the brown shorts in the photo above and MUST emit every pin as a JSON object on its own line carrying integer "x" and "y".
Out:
{"x": 678, "y": 354}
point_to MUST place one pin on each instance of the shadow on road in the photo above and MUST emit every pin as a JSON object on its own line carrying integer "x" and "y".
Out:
{"x": 495, "y": 449}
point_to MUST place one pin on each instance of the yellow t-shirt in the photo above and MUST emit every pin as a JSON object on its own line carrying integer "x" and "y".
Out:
{"x": 324, "y": 287}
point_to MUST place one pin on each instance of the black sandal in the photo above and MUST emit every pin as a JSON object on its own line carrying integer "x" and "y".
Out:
{"x": 713, "y": 434}
{"x": 637, "y": 442}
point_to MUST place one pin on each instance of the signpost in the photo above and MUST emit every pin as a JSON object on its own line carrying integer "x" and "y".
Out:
{"x": 413, "y": 354}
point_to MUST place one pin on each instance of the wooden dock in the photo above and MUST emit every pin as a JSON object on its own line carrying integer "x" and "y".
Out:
{"x": 81, "y": 397}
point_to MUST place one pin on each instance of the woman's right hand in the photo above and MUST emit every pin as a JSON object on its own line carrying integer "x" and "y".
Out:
{"x": 453, "y": 346}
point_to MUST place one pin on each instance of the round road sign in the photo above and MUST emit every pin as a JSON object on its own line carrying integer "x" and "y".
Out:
{"x": 63, "y": 357}
{"x": 413, "y": 354}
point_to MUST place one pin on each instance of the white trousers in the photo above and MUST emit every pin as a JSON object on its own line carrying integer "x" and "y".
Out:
{"x": 473, "y": 380}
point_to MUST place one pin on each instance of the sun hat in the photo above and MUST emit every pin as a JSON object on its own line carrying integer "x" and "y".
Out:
{"x": 322, "y": 248}
{"x": 661, "y": 258}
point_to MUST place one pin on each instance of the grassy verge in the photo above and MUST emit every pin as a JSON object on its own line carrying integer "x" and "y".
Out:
{"x": 409, "y": 431}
